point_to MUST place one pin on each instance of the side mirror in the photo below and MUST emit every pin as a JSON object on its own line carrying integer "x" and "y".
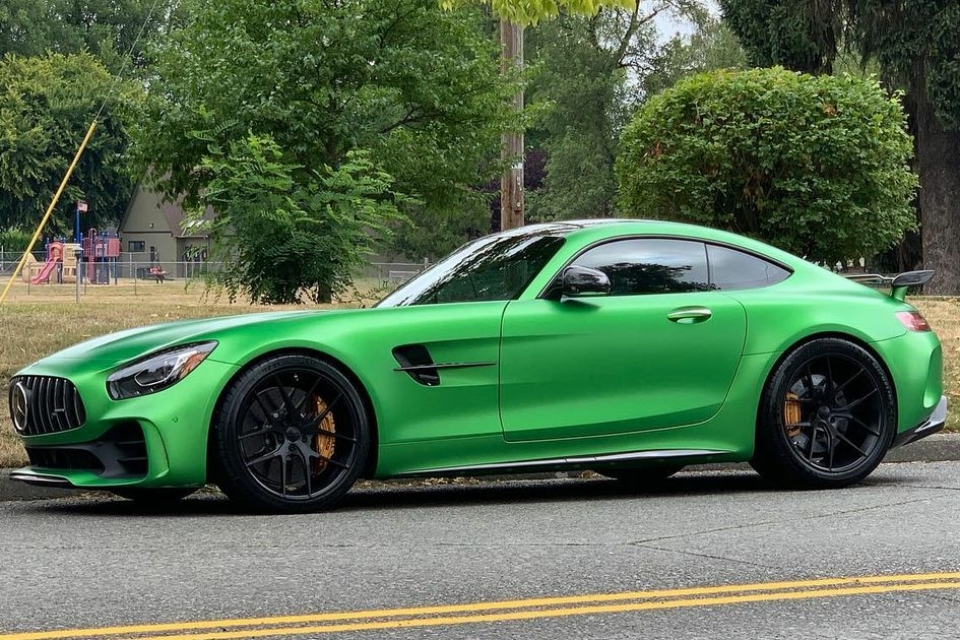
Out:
{"x": 580, "y": 282}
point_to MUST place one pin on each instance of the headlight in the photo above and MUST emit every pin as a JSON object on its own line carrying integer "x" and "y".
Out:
{"x": 158, "y": 371}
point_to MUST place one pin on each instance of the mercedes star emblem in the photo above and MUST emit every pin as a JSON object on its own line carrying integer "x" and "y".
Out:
{"x": 19, "y": 405}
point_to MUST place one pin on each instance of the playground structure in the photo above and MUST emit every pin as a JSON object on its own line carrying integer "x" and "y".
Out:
{"x": 102, "y": 255}
{"x": 60, "y": 265}
{"x": 99, "y": 261}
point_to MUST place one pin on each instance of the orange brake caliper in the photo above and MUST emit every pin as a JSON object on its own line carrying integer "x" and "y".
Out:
{"x": 791, "y": 414}
{"x": 324, "y": 444}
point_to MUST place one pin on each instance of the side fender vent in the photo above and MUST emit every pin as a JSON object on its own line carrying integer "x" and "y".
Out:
{"x": 416, "y": 362}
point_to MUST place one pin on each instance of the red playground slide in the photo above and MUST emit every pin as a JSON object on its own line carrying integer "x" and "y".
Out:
{"x": 44, "y": 274}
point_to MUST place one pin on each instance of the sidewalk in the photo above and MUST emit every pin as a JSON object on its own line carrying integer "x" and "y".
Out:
{"x": 939, "y": 447}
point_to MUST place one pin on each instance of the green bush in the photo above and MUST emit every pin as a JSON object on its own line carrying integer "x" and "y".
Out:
{"x": 284, "y": 240}
{"x": 815, "y": 165}
{"x": 14, "y": 240}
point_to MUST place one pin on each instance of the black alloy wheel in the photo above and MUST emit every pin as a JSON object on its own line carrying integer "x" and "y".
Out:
{"x": 292, "y": 436}
{"x": 827, "y": 416}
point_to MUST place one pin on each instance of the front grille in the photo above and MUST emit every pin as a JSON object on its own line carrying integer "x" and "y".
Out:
{"x": 120, "y": 453}
{"x": 52, "y": 405}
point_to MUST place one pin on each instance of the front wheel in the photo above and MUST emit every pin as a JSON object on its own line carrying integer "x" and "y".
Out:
{"x": 827, "y": 416}
{"x": 292, "y": 435}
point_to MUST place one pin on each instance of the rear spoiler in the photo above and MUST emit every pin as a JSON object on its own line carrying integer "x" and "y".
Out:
{"x": 898, "y": 284}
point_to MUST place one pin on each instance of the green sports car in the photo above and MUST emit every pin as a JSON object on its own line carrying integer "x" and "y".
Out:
{"x": 632, "y": 348}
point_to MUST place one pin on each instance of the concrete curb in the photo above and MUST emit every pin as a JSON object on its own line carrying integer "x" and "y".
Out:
{"x": 940, "y": 447}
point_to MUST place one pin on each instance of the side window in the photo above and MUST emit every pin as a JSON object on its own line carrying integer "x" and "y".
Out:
{"x": 645, "y": 266}
{"x": 731, "y": 269}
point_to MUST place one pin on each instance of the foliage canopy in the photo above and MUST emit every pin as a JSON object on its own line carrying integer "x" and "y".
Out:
{"x": 46, "y": 105}
{"x": 107, "y": 29}
{"x": 292, "y": 235}
{"x": 403, "y": 98}
{"x": 590, "y": 74}
{"x": 806, "y": 163}
{"x": 531, "y": 12}
{"x": 916, "y": 45}
{"x": 913, "y": 41}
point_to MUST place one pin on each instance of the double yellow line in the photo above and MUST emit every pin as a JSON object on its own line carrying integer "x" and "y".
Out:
{"x": 510, "y": 610}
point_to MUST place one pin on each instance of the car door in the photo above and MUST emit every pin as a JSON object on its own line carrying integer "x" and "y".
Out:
{"x": 659, "y": 351}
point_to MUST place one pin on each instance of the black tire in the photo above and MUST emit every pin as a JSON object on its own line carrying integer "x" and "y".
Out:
{"x": 291, "y": 436}
{"x": 153, "y": 497}
{"x": 827, "y": 416}
{"x": 641, "y": 477}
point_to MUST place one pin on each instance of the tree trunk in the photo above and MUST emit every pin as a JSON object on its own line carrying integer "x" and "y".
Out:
{"x": 511, "y": 185}
{"x": 938, "y": 155}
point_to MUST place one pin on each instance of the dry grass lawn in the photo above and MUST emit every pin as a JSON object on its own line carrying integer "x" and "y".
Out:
{"x": 45, "y": 319}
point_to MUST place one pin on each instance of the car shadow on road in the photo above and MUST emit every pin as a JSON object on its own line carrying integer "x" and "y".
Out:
{"x": 386, "y": 496}
{"x": 457, "y": 493}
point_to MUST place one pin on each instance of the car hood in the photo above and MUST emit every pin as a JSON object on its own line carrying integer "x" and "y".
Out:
{"x": 123, "y": 346}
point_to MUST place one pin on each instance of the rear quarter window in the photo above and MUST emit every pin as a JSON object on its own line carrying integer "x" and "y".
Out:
{"x": 731, "y": 270}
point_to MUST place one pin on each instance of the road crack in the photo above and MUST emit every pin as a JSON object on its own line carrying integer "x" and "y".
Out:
{"x": 940, "y": 597}
{"x": 782, "y": 521}
{"x": 936, "y": 488}
{"x": 707, "y": 556}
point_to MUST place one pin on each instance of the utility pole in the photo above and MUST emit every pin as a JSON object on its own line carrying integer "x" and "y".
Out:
{"x": 511, "y": 184}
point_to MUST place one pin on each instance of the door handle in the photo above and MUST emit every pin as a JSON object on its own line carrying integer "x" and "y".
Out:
{"x": 689, "y": 315}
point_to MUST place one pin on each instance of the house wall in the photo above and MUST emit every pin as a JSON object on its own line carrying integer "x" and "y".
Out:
{"x": 146, "y": 223}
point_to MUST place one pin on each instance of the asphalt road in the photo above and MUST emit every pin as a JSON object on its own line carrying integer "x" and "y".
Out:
{"x": 749, "y": 563}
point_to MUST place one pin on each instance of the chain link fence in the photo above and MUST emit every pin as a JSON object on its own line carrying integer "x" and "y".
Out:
{"x": 132, "y": 269}
{"x": 114, "y": 270}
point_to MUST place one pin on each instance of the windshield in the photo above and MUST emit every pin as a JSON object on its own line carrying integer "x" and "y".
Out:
{"x": 491, "y": 268}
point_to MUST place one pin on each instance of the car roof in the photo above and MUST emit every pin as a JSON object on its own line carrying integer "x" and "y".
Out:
{"x": 595, "y": 229}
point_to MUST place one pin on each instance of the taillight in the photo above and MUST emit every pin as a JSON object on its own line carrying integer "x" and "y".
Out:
{"x": 913, "y": 320}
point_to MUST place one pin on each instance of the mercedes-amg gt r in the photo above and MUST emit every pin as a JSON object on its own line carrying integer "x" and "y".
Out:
{"x": 632, "y": 348}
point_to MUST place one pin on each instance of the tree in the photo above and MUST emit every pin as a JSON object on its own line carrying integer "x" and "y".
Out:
{"x": 514, "y": 17}
{"x": 801, "y": 34}
{"x": 47, "y": 104}
{"x": 106, "y": 28}
{"x": 412, "y": 89}
{"x": 917, "y": 44}
{"x": 591, "y": 75}
{"x": 712, "y": 46}
{"x": 531, "y": 12}
{"x": 29, "y": 27}
{"x": 292, "y": 237}
{"x": 580, "y": 104}
{"x": 806, "y": 163}
{"x": 918, "y": 47}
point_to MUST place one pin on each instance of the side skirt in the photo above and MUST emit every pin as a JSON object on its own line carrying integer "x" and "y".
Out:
{"x": 580, "y": 462}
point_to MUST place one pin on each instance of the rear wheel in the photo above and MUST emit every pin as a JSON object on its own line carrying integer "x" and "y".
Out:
{"x": 292, "y": 436}
{"x": 827, "y": 416}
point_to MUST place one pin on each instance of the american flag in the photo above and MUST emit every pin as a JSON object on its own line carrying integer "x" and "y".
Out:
{"x": 82, "y": 206}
